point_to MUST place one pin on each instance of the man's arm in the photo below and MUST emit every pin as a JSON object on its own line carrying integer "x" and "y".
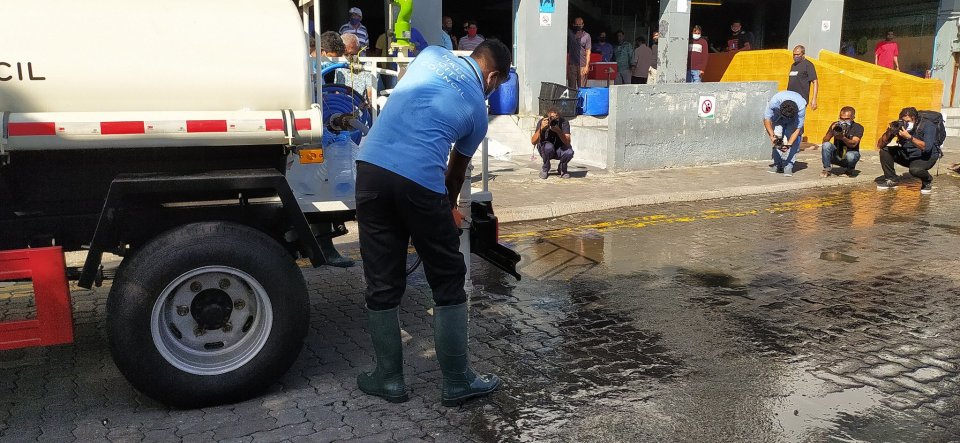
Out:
{"x": 793, "y": 137}
{"x": 829, "y": 134}
{"x": 541, "y": 125}
{"x": 768, "y": 124}
{"x": 896, "y": 62}
{"x": 813, "y": 97}
{"x": 456, "y": 171}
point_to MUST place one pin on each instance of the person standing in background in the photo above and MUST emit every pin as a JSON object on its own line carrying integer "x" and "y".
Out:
{"x": 623, "y": 53}
{"x": 586, "y": 45}
{"x": 642, "y": 57}
{"x": 696, "y": 55}
{"x": 887, "y": 53}
{"x": 654, "y": 47}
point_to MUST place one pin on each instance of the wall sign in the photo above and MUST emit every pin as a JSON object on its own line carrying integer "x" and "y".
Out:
{"x": 707, "y": 108}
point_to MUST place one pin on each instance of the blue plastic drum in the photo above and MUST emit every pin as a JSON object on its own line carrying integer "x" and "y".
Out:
{"x": 506, "y": 99}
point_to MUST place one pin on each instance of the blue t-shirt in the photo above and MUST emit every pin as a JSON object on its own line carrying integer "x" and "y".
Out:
{"x": 438, "y": 102}
{"x": 772, "y": 112}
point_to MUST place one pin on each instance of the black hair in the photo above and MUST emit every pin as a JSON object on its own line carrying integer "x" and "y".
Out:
{"x": 789, "y": 109}
{"x": 641, "y": 39}
{"x": 912, "y": 112}
{"x": 495, "y": 54}
{"x": 853, "y": 112}
{"x": 330, "y": 41}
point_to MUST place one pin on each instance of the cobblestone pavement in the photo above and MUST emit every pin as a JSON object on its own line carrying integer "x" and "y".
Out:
{"x": 809, "y": 316}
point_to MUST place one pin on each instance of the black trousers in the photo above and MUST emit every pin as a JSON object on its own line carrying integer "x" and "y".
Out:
{"x": 919, "y": 168}
{"x": 391, "y": 211}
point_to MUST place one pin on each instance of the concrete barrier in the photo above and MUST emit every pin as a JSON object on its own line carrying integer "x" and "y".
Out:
{"x": 657, "y": 126}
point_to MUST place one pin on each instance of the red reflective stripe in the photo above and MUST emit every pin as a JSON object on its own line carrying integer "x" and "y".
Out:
{"x": 276, "y": 124}
{"x": 108, "y": 128}
{"x": 29, "y": 129}
{"x": 206, "y": 126}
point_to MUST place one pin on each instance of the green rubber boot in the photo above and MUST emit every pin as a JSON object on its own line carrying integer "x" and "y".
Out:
{"x": 460, "y": 383}
{"x": 386, "y": 380}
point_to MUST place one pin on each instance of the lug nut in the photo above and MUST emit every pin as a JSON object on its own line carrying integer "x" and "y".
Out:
{"x": 239, "y": 304}
{"x": 227, "y": 327}
{"x": 224, "y": 283}
{"x": 196, "y": 286}
{"x": 183, "y": 310}
{"x": 198, "y": 331}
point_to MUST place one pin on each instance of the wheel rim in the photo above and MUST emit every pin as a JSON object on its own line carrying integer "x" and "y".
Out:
{"x": 211, "y": 320}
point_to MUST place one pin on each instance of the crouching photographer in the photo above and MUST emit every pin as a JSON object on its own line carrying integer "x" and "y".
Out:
{"x": 552, "y": 139}
{"x": 916, "y": 149}
{"x": 783, "y": 120}
{"x": 844, "y": 150}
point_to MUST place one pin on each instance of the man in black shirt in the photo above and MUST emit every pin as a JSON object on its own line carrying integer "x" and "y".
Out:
{"x": 844, "y": 151}
{"x": 739, "y": 39}
{"x": 802, "y": 76}
{"x": 552, "y": 139}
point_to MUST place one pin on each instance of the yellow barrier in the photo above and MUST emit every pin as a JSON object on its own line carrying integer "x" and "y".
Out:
{"x": 878, "y": 94}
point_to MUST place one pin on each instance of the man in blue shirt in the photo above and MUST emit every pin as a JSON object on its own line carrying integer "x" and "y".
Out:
{"x": 916, "y": 149}
{"x": 783, "y": 120}
{"x": 408, "y": 183}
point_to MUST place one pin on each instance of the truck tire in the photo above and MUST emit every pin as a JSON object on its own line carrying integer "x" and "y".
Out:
{"x": 207, "y": 313}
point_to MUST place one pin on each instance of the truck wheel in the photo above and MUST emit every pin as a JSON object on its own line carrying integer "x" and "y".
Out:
{"x": 207, "y": 313}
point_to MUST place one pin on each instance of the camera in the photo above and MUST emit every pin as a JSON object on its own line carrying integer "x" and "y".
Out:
{"x": 778, "y": 143}
{"x": 840, "y": 127}
{"x": 897, "y": 125}
{"x": 554, "y": 121}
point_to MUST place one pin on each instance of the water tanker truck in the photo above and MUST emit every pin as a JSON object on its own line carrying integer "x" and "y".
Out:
{"x": 162, "y": 132}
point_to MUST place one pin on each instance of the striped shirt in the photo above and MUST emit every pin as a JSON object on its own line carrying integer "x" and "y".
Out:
{"x": 361, "y": 32}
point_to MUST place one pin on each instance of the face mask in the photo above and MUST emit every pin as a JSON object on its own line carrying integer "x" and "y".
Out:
{"x": 578, "y": 28}
{"x": 472, "y": 32}
{"x": 696, "y": 36}
{"x": 797, "y": 58}
{"x": 354, "y": 21}
{"x": 603, "y": 39}
{"x": 487, "y": 94}
{"x": 909, "y": 126}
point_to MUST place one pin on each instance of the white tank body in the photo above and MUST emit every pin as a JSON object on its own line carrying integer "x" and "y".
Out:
{"x": 170, "y": 55}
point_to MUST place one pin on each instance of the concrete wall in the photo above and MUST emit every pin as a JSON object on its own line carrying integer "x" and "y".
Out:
{"x": 657, "y": 126}
{"x": 541, "y": 51}
{"x": 947, "y": 39}
{"x": 816, "y": 24}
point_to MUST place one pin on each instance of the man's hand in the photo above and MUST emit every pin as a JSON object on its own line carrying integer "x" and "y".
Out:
{"x": 904, "y": 134}
{"x": 813, "y": 104}
{"x": 544, "y": 123}
{"x": 457, "y": 217}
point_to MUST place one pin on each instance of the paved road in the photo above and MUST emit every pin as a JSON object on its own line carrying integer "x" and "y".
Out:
{"x": 809, "y": 316}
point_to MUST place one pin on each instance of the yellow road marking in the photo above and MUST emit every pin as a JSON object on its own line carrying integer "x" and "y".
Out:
{"x": 661, "y": 219}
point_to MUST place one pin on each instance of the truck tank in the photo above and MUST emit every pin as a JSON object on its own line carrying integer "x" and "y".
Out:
{"x": 114, "y": 73}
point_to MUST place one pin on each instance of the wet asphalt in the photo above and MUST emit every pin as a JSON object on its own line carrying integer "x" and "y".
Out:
{"x": 823, "y": 315}
{"x": 811, "y": 316}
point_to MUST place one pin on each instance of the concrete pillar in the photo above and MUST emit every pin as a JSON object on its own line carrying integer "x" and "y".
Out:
{"x": 946, "y": 43}
{"x": 674, "y": 41}
{"x": 541, "y": 51}
{"x": 816, "y": 24}
{"x": 426, "y": 18}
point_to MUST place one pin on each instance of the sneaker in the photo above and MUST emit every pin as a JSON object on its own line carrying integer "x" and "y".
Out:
{"x": 788, "y": 172}
{"x": 775, "y": 170}
{"x": 886, "y": 185}
{"x": 824, "y": 173}
{"x": 543, "y": 174}
{"x": 927, "y": 188}
{"x": 565, "y": 175}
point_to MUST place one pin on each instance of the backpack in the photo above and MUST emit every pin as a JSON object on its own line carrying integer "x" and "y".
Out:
{"x": 936, "y": 119}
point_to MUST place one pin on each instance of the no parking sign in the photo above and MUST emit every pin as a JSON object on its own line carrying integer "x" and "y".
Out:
{"x": 707, "y": 107}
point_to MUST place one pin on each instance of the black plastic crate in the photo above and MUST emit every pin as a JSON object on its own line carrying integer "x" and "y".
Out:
{"x": 555, "y": 90}
{"x": 566, "y": 107}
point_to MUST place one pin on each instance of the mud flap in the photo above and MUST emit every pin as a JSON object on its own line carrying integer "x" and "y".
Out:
{"x": 483, "y": 239}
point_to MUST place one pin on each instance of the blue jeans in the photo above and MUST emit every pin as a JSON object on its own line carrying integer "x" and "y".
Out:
{"x": 829, "y": 156}
{"x": 791, "y": 156}
{"x": 693, "y": 76}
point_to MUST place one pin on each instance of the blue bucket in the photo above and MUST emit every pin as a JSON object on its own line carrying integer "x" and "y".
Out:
{"x": 594, "y": 101}
{"x": 506, "y": 99}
